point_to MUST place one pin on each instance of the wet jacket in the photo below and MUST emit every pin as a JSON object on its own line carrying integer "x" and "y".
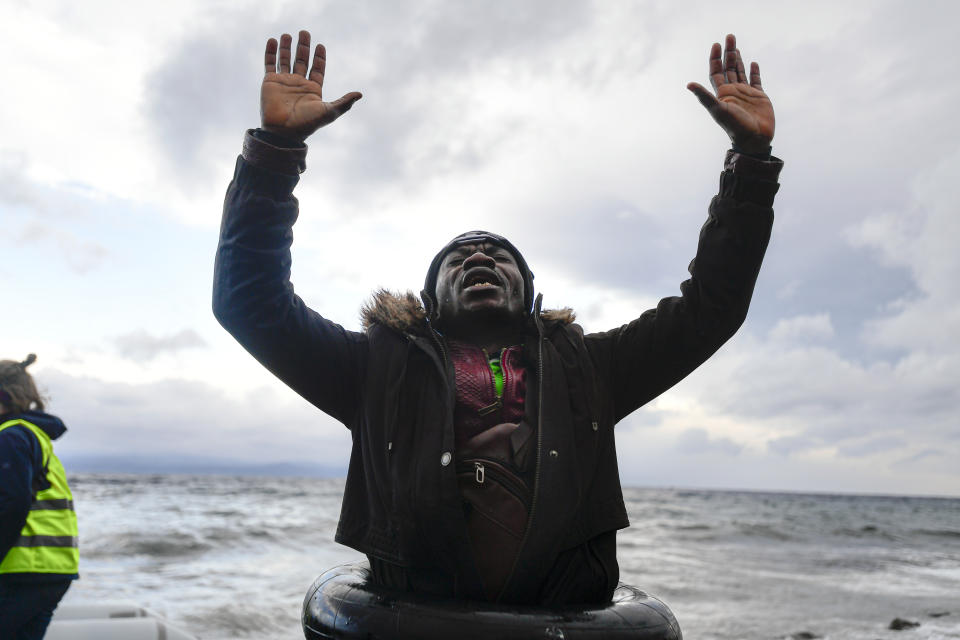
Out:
{"x": 22, "y": 477}
{"x": 392, "y": 384}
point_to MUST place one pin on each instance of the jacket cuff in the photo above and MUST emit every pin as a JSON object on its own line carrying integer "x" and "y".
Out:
{"x": 262, "y": 154}
{"x": 749, "y": 179}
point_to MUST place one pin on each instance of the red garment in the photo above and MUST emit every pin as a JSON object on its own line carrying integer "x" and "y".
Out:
{"x": 482, "y": 422}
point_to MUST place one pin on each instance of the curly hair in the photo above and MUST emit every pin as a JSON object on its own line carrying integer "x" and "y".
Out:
{"x": 18, "y": 393}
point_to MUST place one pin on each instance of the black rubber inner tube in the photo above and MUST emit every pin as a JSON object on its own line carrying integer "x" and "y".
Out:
{"x": 342, "y": 604}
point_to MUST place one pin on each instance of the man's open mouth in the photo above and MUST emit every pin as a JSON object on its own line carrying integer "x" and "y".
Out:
{"x": 481, "y": 280}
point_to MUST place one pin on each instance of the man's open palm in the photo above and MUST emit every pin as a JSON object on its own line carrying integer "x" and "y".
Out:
{"x": 291, "y": 100}
{"x": 740, "y": 105}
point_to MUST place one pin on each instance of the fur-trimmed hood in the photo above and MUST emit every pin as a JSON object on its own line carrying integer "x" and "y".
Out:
{"x": 405, "y": 312}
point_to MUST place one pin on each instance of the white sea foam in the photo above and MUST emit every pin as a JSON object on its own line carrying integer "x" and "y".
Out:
{"x": 231, "y": 557}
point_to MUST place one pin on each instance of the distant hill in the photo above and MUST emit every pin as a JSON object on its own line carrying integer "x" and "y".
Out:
{"x": 196, "y": 465}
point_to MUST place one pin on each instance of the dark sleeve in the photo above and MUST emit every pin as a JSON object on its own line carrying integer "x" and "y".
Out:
{"x": 253, "y": 297}
{"x": 20, "y": 458}
{"x": 641, "y": 360}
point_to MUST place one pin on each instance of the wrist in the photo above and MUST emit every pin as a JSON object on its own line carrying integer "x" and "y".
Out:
{"x": 261, "y": 148}
{"x": 760, "y": 154}
{"x": 750, "y": 179}
{"x": 758, "y": 148}
{"x": 281, "y": 137}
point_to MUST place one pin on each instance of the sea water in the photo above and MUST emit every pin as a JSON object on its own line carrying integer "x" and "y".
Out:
{"x": 232, "y": 557}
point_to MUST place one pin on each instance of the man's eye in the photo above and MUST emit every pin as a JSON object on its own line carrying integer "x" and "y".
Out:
{"x": 456, "y": 262}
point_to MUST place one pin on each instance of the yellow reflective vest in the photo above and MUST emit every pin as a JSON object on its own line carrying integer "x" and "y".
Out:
{"x": 48, "y": 541}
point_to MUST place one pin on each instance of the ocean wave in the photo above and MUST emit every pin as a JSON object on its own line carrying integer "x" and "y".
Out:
{"x": 167, "y": 545}
{"x": 866, "y": 531}
{"x": 759, "y": 530}
{"x": 938, "y": 533}
{"x": 853, "y": 563}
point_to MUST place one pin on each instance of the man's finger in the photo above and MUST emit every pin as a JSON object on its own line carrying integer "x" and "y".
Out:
{"x": 285, "y": 41}
{"x": 706, "y": 98}
{"x": 755, "y": 76}
{"x": 342, "y": 104}
{"x": 270, "y": 56}
{"x": 716, "y": 67}
{"x": 741, "y": 73}
{"x": 319, "y": 64}
{"x": 730, "y": 59}
{"x": 303, "y": 54}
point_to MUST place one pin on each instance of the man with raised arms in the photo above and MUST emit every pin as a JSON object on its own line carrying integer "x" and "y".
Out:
{"x": 483, "y": 462}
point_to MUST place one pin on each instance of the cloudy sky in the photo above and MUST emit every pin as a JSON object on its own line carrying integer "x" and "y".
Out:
{"x": 565, "y": 126}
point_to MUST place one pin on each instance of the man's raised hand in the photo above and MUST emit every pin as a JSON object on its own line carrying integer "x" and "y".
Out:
{"x": 740, "y": 105}
{"x": 291, "y": 101}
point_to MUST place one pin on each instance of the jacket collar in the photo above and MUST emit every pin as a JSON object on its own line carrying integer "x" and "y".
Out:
{"x": 51, "y": 425}
{"x": 405, "y": 313}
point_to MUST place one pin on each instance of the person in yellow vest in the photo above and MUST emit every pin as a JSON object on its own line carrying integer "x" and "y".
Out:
{"x": 38, "y": 526}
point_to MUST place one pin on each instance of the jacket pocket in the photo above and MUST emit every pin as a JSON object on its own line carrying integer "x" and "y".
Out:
{"x": 496, "y": 509}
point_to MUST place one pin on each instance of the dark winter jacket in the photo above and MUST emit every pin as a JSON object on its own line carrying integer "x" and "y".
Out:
{"x": 21, "y": 477}
{"x": 392, "y": 383}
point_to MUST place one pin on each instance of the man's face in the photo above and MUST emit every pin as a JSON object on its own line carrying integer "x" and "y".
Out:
{"x": 479, "y": 279}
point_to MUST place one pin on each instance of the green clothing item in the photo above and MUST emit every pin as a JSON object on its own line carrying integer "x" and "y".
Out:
{"x": 497, "y": 375}
{"x": 48, "y": 541}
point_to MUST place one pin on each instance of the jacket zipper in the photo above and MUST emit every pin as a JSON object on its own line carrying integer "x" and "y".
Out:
{"x": 498, "y": 399}
{"x": 441, "y": 346}
{"x": 445, "y": 366}
{"x": 536, "y": 475}
{"x": 503, "y": 372}
{"x": 490, "y": 408}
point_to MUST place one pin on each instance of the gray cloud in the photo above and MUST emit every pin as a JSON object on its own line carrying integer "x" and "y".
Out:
{"x": 191, "y": 418}
{"x": 81, "y": 254}
{"x": 17, "y": 190}
{"x": 925, "y": 454}
{"x": 840, "y": 408}
{"x": 693, "y": 441}
{"x": 813, "y": 328}
{"x": 872, "y": 445}
{"x": 141, "y": 346}
{"x": 640, "y": 421}
{"x": 792, "y": 444}
{"x": 53, "y": 218}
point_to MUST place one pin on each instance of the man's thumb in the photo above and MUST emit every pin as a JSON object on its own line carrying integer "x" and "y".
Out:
{"x": 342, "y": 105}
{"x": 706, "y": 98}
